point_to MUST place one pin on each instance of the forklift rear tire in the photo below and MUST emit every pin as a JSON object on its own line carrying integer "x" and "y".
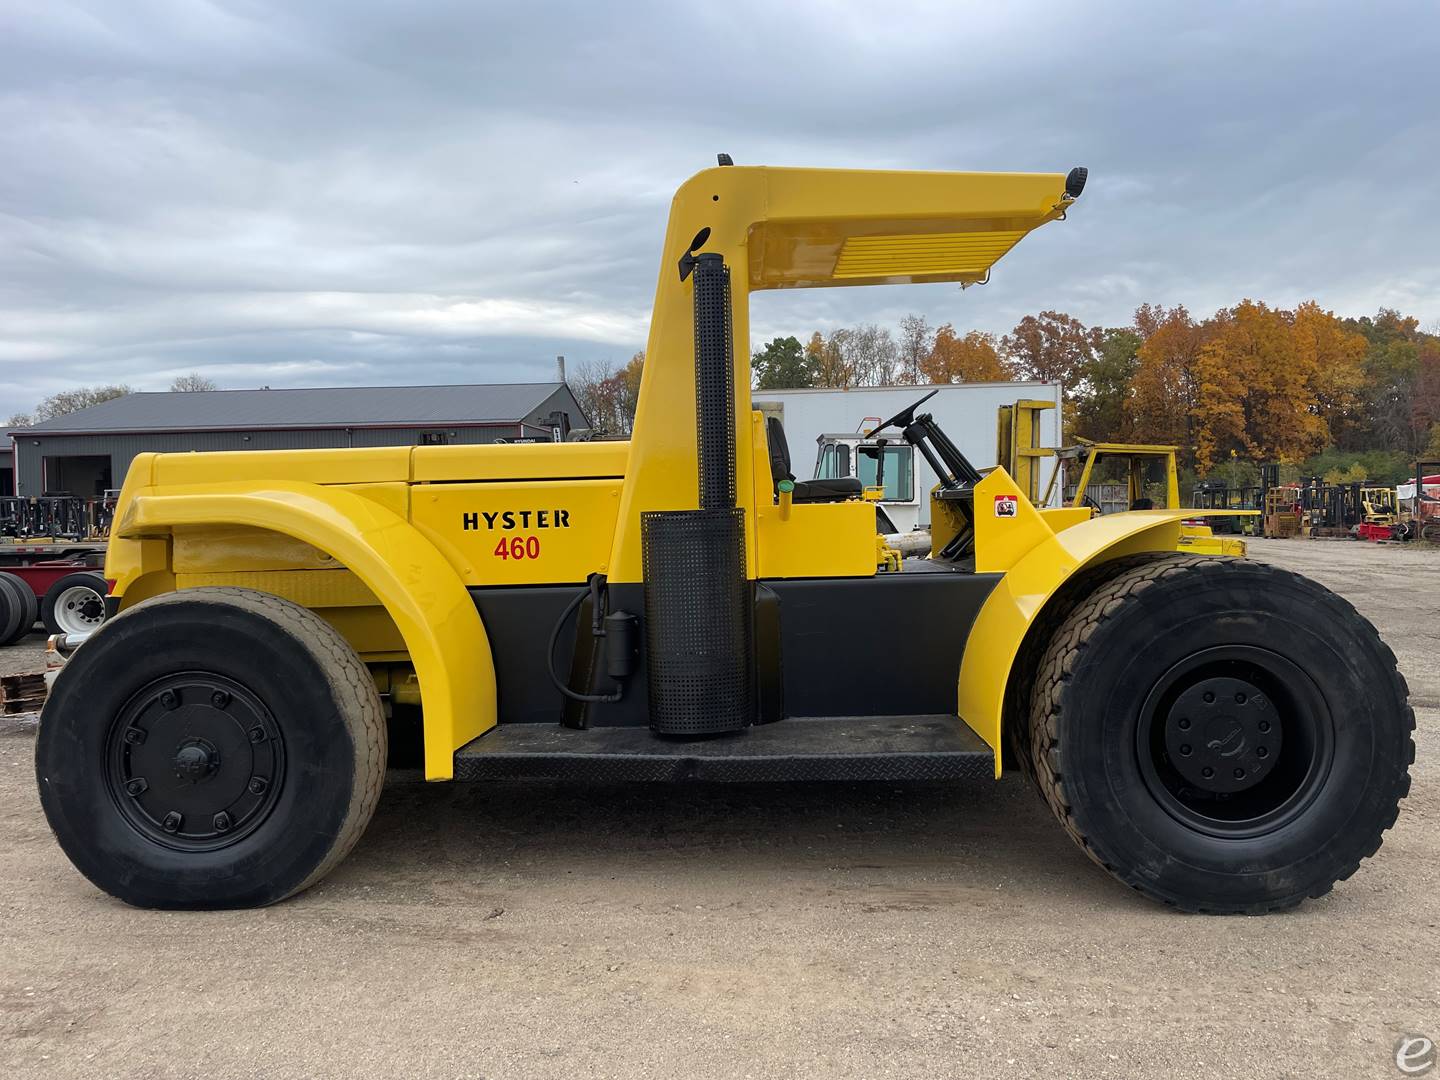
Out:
{"x": 1221, "y": 735}
{"x": 17, "y": 609}
{"x": 211, "y": 748}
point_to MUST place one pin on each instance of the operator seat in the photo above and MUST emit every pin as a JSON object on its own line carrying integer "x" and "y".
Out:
{"x": 836, "y": 489}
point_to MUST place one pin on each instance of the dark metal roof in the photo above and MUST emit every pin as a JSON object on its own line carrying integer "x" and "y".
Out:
{"x": 341, "y": 406}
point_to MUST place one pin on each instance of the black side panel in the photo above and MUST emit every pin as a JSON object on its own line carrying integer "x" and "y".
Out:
{"x": 877, "y": 646}
{"x": 882, "y": 646}
{"x": 518, "y": 622}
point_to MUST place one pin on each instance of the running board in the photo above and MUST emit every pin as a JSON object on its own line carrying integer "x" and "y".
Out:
{"x": 820, "y": 748}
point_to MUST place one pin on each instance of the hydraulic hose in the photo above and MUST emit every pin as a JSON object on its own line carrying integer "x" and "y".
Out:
{"x": 573, "y": 695}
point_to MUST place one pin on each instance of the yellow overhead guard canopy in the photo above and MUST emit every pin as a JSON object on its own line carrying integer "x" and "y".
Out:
{"x": 825, "y": 227}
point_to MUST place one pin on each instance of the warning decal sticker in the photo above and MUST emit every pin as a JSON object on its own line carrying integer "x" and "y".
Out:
{"x": 1006, "y": 505}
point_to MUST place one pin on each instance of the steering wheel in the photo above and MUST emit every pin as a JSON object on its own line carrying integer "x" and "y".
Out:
{"x": 904, "y": 417}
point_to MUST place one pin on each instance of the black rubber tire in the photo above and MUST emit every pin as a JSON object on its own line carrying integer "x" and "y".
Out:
{"x": 17, "y": 609}
{"x": 318, "y": 694}
{"x": 1119, "y": 642}
{"x": 69, "y": 581}
{"x": 1021, "y": 688}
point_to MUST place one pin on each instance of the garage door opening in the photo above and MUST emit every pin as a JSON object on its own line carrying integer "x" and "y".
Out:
{"x": 84, "y": 476}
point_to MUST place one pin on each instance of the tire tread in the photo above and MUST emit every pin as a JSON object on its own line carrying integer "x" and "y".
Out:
{"x": 1047, "y": 714}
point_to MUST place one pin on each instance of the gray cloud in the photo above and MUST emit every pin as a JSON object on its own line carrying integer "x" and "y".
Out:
{"x": 303, "y": 194}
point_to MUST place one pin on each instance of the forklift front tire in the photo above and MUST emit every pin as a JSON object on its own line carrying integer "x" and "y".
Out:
{"x": 211, "y": 748}
{"x": 1221, "y": 735}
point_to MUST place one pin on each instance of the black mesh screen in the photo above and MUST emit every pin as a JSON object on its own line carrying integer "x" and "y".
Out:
{"x": 714, "y": 383}
{"x": 697, "y": 621}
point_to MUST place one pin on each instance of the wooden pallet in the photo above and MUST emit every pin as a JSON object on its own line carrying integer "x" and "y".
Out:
{"x": 22, "y": 693}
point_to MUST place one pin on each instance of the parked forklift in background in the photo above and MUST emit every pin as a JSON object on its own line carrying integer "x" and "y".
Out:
{"x": 1146, "y": 474}
{"x": 1418, "y": 504}
{"x": 1219, "y": 734}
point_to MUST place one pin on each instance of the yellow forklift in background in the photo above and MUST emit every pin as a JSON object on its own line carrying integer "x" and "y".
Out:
{"x": 1149, "y": 471}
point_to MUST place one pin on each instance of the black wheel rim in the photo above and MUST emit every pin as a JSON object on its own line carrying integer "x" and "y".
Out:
{"x": 195, "y": 762}
{"x": 1235, "y": 741}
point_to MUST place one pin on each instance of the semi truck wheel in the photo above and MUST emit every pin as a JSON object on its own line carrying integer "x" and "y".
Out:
{"x": 1221, "y": 735}
{"x": 210, "y": 748}
{"x": 17, "y": 609}
{"x": 75, "y": 604}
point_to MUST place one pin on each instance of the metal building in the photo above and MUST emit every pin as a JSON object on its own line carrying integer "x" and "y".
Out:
{"x": 86, "y": 452}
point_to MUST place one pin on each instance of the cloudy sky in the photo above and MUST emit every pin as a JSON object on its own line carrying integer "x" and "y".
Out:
{"x": 345, "y": 191}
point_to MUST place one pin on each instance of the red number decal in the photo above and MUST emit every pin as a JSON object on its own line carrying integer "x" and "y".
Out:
{"x": 518, "y": 547}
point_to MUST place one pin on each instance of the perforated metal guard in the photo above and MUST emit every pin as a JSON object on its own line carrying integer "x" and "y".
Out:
{"x": 697, "y": 621}
{"x": 714, "y": 383}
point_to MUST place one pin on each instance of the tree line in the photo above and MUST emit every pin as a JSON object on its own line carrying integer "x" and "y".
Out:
{"x": 1250, "y": 382}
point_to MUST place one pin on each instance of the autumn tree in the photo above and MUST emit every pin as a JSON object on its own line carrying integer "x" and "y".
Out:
{"x": 1331, "y": 358}
{"x": 972, "y": 358}
{"x": 1271, "y": 382}
{"x": 830, "y": 363}
{"x": 609, "y": 396}
{"x": 1164, "y": 391}
{"x": 782, "y": 364}
{"x": 1051, "y": 347}
{"x": 1425, "y": 399}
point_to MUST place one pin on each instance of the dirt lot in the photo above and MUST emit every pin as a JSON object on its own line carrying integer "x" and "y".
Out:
{"x": 818, "y": 931}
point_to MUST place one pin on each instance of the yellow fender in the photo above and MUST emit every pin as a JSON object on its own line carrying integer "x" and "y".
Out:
{"x": 421, "y": 592}
{"x": 1035, "y": 560}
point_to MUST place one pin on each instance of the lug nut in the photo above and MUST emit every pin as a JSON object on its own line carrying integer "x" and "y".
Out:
{"x": 134, "y": 736}
{"x": 222, "y": 822}
{"x": 1184, "y": 724}
{"x": 1207, "y": 772}
{"x": 171, "y": 822}
{"x": 1239, "y": 699}
{"x": 257, "y": 734}
{"x": 1185, "y": 749}
{"x": 1209, "y": 697}
{"x": 1262, "y": 751}
{"x": 1239, "y": 774}
{"x": 219, "y": 699}
{"x": 1264, "y": 725}
{"x": 137, "y": 786}
{"x": 169, "y": 699}
{"x": 258, "y": 784}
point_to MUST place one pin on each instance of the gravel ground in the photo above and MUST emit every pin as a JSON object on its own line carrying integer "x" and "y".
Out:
{"x": 811, "y": 931}
{"x": 27, "y": 654}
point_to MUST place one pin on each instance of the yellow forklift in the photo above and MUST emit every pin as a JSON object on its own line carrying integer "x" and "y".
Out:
{"x": 1149, "y": 470}
{"x": 1219, "y": 734}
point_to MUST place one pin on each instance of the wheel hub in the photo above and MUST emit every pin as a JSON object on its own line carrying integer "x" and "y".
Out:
{"x": 1223, "y": 735}
{"x": 196, "y": 761}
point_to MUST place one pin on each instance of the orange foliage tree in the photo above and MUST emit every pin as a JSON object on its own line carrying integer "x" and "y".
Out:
{"x": 1165, "y": 389}
{"x": 972, "y": 358}
{"x": 1270, "y": 382}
